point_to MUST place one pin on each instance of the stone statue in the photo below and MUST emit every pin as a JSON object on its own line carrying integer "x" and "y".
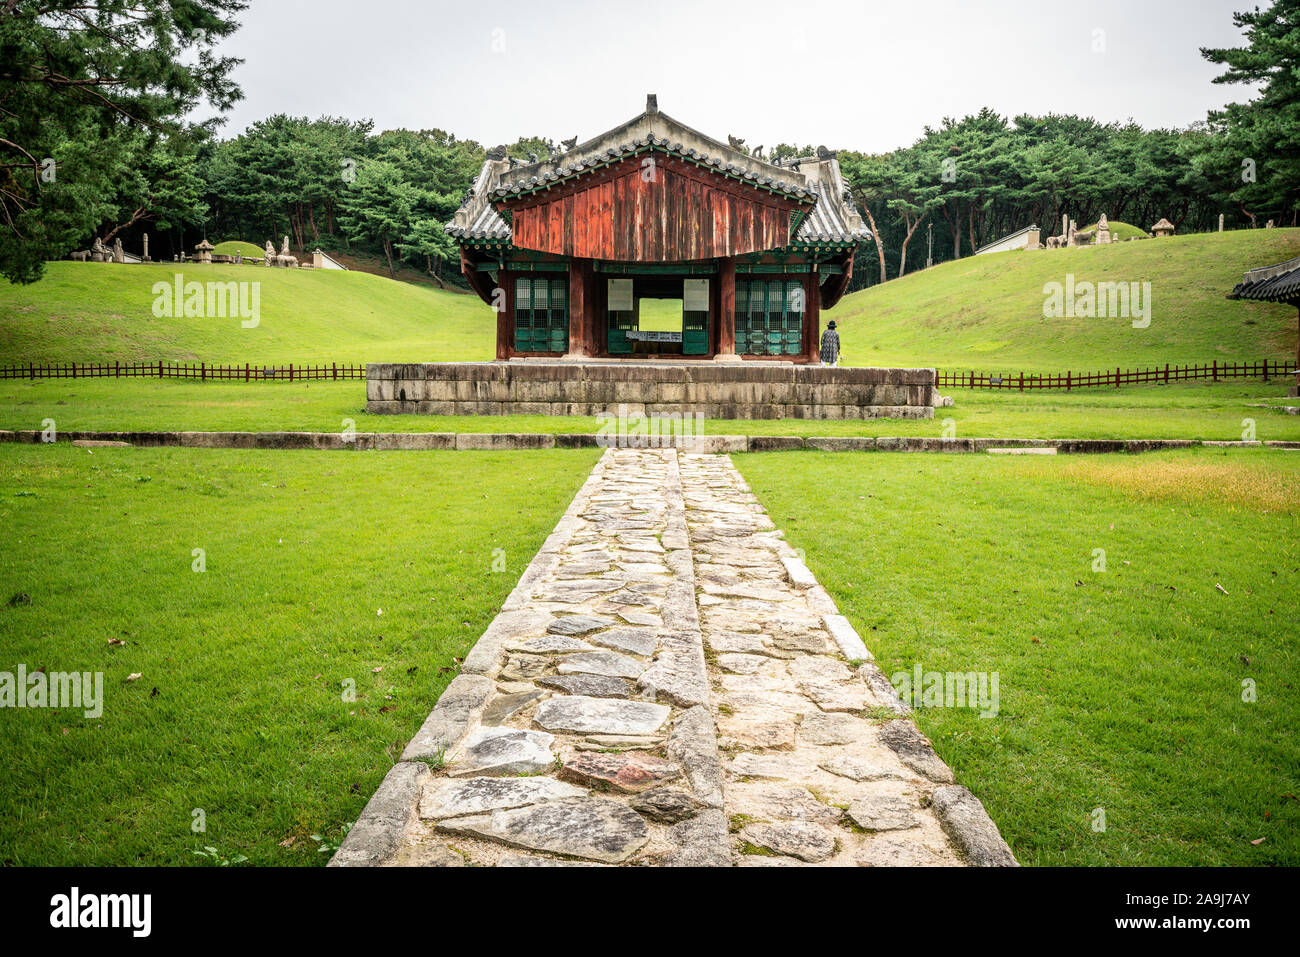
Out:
{"x": 118, "y": 255}
{"x": 1103, "y": 231}
{"x": 98, "y": 252}
{"x": 284, "y": 258}
{"x": 144, "y": 256}
{"x": 757, "y": 152}
{"x": 269, "y": 258}
{"x": 568, "y": 144}
{"x": 737, "y": 142}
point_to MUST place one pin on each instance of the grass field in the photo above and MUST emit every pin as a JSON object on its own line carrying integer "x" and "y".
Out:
{"x": 232, "y": 246}
{"x": 1119, "y": 689}
{"x": 982, "y": 313}
{"x": 373, "y": 568}
{"x": 986, "y": 312}
{"x": 85, "y": 311}
{"x": 1157, "y": 412}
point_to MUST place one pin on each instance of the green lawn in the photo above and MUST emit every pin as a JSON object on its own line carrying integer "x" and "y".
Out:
{"x": 661, "y": 315}
{"x": 1157, "y": 412}
{"x": 239, "y": 707}
{"x": 232, "y": 246}
{"x": 1119, "y": 689}
{"x": 986, "y": 312}
{"x": 983, "y": 313}
{"x": 91, "y": 312}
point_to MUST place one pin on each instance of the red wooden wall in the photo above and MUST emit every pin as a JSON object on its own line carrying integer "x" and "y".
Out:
{"x": 681, "y": 212}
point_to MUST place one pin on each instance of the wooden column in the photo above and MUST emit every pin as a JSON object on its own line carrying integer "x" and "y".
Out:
{"x": 726, "y": 342}
{"x": 1297, "y": 351}
{"x": 506, "y": 316}
{"x": 580, "y": 306}
{"x": 812, "y": 317}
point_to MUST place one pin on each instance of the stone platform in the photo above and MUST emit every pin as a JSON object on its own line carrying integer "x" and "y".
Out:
{"x": 748, "y": 390}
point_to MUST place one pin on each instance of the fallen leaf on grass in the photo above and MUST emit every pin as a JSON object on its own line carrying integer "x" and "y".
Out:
{"x": 375, "y": 671}
{"x": 1220, "y": 588}
{"x": 116, "y": 641}
{"x": 135, "y": 675}
{"x": 1258, "y": 841}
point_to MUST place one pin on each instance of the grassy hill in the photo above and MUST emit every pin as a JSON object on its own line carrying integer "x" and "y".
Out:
{"x": 986, "y": 312}
{"x": 91, "y": 312}
{"x": 232, "y": 246}
{"x": 982, "y": 312}
{"x": 1121, "y": 231}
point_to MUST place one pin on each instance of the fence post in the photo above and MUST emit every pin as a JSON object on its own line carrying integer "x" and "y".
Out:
{"x": 203, "y": 372}
{"x": 1117, "y": 377}
{"x": 1265, "y": 370}
{"x": 1022, "y": 382}
{"x": 336, "y": 371}
{"x": 1214, "y": 371}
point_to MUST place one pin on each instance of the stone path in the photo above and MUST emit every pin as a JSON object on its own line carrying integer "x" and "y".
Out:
{"x": 669, "y": 685}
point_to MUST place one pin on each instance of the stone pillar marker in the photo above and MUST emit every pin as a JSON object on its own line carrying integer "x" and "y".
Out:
{"x": 144, "y": 256}
{"x": 118, "y": 255}
{"x": 1220, "y": 222}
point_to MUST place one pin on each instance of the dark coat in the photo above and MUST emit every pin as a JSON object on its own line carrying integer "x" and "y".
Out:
{"x": 830, "y": 346}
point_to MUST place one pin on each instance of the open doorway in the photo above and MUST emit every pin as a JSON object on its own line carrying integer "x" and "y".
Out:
{"x": 658, "y": 317}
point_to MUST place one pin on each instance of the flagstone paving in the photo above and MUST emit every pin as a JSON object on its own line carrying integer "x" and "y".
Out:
{"x": 669, "y": 685}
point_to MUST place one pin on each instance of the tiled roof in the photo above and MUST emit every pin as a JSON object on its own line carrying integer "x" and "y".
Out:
{"x": 1279, "y": 283}
{"x": 816, "y": 183}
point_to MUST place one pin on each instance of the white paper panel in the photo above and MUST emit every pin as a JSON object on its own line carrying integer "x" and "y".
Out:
{"x": 620, "y": 295}
{"x": 695, "y": 295}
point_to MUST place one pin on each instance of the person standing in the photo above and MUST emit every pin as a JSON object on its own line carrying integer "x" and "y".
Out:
{"x": 830, "y": 350}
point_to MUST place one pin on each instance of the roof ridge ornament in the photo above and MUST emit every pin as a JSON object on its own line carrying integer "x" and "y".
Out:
{"x": 652, "y": 102}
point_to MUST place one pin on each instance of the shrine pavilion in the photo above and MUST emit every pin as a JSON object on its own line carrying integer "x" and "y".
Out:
{"x": 568, "y": 248}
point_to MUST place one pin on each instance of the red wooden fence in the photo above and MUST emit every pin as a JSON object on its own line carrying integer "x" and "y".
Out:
{"x": 201, "y": 371}
{"x": 1264, "y": 369}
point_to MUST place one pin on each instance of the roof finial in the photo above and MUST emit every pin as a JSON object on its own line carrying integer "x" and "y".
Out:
{"x": 652, "y": 102}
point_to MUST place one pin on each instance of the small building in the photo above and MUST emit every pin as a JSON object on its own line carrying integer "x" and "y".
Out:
{"x": 1027, "y": 238}
{"x": 1162, "y": 228}
{"x": 1278, "y": 283}
{"x": 566, "y": 248}
{"x": 323, "y": 260}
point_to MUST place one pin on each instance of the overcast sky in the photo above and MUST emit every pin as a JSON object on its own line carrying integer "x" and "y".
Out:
{"x": 854, "y": 74}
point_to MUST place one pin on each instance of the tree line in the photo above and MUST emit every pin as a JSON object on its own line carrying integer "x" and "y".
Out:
{"x": 95, "y": 142}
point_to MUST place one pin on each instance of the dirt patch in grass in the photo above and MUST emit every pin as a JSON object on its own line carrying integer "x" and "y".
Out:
{"x": 1238, "y": 483}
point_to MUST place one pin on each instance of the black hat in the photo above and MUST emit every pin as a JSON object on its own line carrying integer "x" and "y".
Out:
{"x": 831, "y": 324}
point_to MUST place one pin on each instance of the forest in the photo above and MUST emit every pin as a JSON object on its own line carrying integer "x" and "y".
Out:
{"x": 91, "y": 145}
